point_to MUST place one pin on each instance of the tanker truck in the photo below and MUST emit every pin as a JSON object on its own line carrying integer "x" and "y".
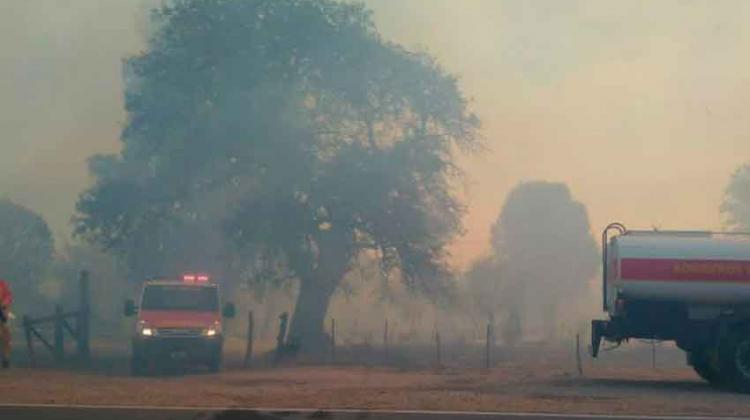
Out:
{"x": 689, "y": 287}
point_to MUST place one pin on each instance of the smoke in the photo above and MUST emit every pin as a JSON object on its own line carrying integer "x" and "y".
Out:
{"x": 62, "y": 95}
{"x": 659, "y": 84}
{"x": 637, "y": 106}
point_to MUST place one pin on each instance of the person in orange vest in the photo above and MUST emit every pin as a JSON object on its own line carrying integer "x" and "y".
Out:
{"x": 6, "y": 299}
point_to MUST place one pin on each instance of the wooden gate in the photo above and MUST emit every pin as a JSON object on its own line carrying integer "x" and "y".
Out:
{"x": 75, "y": 322}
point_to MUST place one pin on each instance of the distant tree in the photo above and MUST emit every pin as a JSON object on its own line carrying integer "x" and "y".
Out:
{"x": 26, "y": 249}
{"x": 736, "y": 205}
{"x": 282, "y": 138}
{"x": 548, "y": 254}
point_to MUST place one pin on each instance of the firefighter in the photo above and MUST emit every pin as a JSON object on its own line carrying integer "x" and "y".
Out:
{"x": 6, "y": 299}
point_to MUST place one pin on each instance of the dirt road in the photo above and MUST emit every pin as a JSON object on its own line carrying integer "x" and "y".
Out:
{"x": 533, "y": 382}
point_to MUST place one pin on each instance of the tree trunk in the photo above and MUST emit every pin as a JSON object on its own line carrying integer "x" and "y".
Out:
{"x": 316, "y": 289}
{"x": 307, "y": 329}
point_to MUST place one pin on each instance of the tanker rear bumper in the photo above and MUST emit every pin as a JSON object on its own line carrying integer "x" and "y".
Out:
{"x": 613, "y": 330}
{"x": 598, "y": 332}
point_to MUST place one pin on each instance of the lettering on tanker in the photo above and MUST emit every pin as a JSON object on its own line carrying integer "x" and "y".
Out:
{"x": 711, "y": 268}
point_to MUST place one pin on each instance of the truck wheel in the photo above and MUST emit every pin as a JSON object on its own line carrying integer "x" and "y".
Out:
{"x": 214, "y": 366}
{"x": 138, "y": 366}
{"x": 214, "y": 362}
{"x": 701, "y": 361}
{"x": 735, "y": 362}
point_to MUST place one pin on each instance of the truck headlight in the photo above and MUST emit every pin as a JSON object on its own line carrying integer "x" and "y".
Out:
{"x": 213, "y": 330}
{"x": 144, "y": 330}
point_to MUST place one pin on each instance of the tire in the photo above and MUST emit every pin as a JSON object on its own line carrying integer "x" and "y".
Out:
{"x": 137, "y": 367}
{"x": 704, "y": 364}
{"x": 734, "y": 361}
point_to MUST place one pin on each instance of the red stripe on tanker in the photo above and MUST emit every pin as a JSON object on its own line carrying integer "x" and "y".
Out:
{"x": 685, "y": 270}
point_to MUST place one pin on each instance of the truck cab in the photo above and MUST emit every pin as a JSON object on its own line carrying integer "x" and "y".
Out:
{"x": 178, "y": 322}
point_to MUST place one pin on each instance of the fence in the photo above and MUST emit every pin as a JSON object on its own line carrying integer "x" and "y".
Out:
{"x": 346, "y": 345}
{"x": 76, "y": 323}
{"x": 449, "y": 347}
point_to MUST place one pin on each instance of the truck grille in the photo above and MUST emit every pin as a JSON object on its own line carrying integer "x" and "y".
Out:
{"x": 179, "y": 332}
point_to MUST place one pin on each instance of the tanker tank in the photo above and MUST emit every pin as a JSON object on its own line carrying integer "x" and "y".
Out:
{"x": 699, "y": 268}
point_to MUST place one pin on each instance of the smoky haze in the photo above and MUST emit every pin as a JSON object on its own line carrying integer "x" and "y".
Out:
{"x": 636, "y": 108}
{"x": 62, "y": 95}
{"x": 580, "y": 92}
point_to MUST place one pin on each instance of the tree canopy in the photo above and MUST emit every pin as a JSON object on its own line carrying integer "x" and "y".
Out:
{"x": 736, "y": 206}
{"x": 543, "y": 241}
{"x": 26, "y": 248}
{"x": 280, "y": 139}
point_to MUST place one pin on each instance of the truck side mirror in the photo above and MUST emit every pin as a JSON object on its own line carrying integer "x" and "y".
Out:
{"x": 130, "y": 309}
{"x": 229, "y": 310}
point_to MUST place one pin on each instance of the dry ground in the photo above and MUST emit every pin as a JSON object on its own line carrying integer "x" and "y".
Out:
{"x": 532, "y": 378}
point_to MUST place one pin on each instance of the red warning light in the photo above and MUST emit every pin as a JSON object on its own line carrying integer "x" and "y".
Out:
{"x": 193, "y": 278}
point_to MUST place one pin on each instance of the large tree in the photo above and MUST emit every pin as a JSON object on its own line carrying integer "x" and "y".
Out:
{"x": 543, "y": 241}
{"x": 736, "y": 206}
{"x": 286, "y": 139}
{"x": 26, "y": 249}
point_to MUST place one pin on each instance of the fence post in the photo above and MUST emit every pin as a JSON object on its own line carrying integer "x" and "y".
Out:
{"x": 29, "y": 343}
{"x": 385, "y": 339}
{"x": 653, "y": 354}
{"x": 579, "y": 366}
{"x": 438, "y": 353}
{"x": 487, "y": 350}
{"x": 84, "y": 314}
{"x": 333, "y": 340}
{"x": 280, "y": 339}
{"x": 59, "y": 334}
{"x": 249, "y": 348}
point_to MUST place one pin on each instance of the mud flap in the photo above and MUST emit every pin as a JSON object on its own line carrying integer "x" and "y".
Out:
{"x": 598, "y": 331}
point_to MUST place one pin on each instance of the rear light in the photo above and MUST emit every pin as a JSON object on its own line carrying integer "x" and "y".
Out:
{"x": 188, "y": 278}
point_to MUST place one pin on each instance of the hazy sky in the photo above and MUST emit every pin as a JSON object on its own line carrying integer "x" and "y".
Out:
{"x": 637, "y": 106}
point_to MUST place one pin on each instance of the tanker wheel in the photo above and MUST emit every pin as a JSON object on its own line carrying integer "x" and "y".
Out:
{"x": 704, "y": 365}
{"x": 735, "y": 361}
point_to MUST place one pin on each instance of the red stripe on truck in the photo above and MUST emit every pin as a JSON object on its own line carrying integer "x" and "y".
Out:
{"x": 685, "y": 270}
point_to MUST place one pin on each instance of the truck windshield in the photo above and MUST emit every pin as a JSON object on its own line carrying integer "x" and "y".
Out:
{"x": 180, "y": 298}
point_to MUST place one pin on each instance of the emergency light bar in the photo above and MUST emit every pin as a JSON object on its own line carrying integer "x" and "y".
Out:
{"x": 192, "y": 278}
